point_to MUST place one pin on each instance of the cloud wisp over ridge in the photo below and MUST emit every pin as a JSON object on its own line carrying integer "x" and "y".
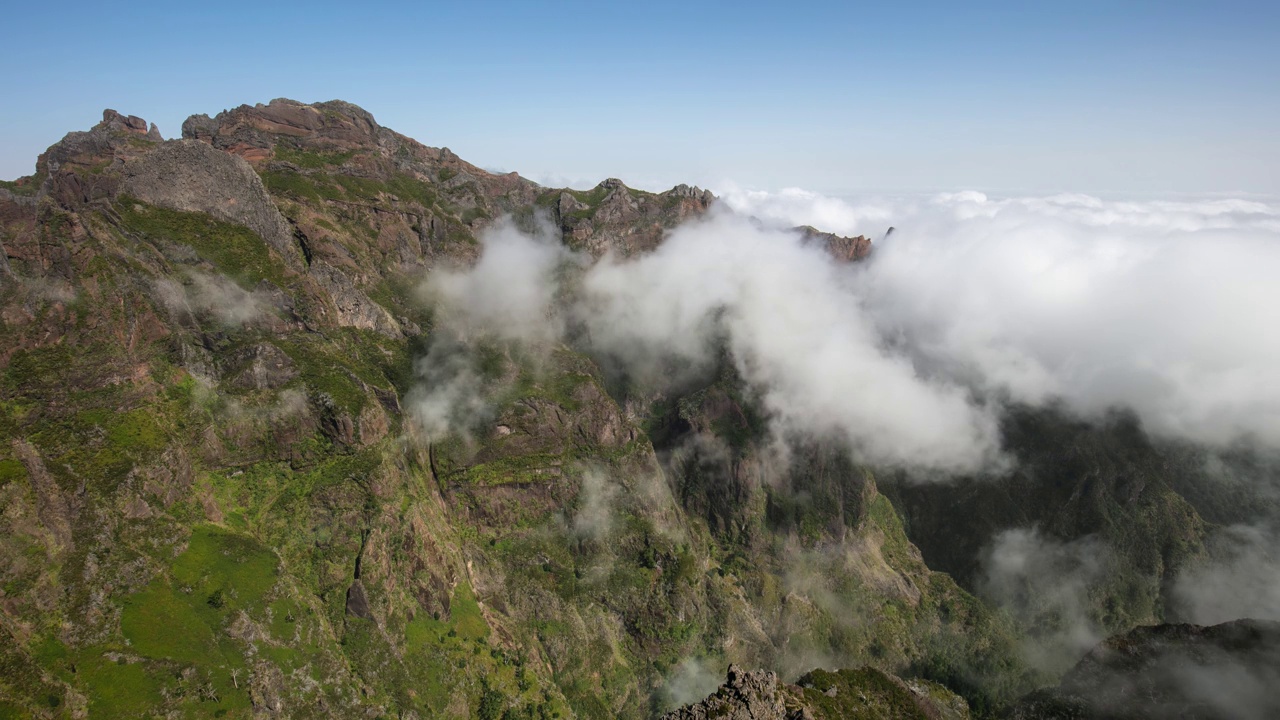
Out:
{"x": 787, "y": 314}
{"x": 1167, "y": 308}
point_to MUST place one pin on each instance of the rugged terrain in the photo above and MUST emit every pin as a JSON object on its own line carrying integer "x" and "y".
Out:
{"x": 216, "y": 503}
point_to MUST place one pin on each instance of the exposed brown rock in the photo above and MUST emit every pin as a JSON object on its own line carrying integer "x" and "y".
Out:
{"x": 354, "y": 308}
{"x": 261, "y": 366}
{"x": 54, "y": 509}
{"x": 253, "y": 130}
{"x": 358, "y": 601}
{"x": 266, "y": 689}
{"x": 843, "y": 249}
{"x": 193, "y": 177}
{"x": 625, "y": 221}
{"x": 127, "y": 123}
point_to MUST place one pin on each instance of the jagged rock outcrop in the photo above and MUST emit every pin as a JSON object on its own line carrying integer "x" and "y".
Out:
{"x": 261, "y": 366}
{"x": 81, "y": 167}
{"x": 55, "y": 511}
{"x": 252, "y": 131}
{"x": 354, "y": 307}
{"x": 194, "y": 177}
{"x": 745, "y": 695}
{"x": 211, "y": 348}
{"x": 614, "y": 218}
{"x": 358, "y": 601}
{"x": 844, "y": 249}
{"x": 337, "y": 137}
{"x": 108, "y": 136}
{"x": 862, "y": 694}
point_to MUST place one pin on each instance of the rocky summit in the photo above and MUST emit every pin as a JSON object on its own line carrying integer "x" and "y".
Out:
{"x": 220, "y": 497}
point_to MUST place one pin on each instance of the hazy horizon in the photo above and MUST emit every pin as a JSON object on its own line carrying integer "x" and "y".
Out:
{"x": 1142, "y": 100}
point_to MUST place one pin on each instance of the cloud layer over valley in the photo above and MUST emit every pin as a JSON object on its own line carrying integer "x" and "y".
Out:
{"x": 1167, "y": 308}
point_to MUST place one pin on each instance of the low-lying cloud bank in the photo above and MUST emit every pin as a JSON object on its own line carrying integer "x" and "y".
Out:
{"x": 216, "y": 296}
{"x": 1168, "y": 308}
{"x": 793, "y": 324}
{"x": 788, "y": 315}
{"x": 1241, "y": 580}
{"x": 1165, "y": 308}
{"x": 1045, "y": 584}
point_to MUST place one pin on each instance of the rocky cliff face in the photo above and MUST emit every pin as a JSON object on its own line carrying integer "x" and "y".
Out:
{"x": 216, "y": 502}
{"x": 193, "y": 177}
{"x": 862, "y": 694}
{"x": 216, "y": 506}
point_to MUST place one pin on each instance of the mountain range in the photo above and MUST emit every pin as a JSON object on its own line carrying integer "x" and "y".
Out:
{"x": 253, "y": 465}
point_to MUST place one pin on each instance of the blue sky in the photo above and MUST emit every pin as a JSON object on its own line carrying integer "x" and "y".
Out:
{"x": 1136, "y": 98}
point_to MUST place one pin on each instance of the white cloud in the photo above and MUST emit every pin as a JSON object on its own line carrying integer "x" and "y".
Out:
{"x": 1242, "y": 580}
{"x": 509, "y": 291}
{"x": 1045, "y": 584}
{"x": 594, "y": 516}
{"x": 791, "y": 207}
{"x": 791, "y": 319}
{"x": 213, "y": 295}
{"x": 1166, "y": 307}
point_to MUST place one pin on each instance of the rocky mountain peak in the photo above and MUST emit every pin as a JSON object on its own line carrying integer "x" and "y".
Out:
{"x": 80, "y": 167}
{"x": 253, "y": 131}
{"x": 692, "y": 192}
{"x": 844, "y": 249}
{"x": 218, "y": 502}
{"x": 114, "y": 121}
{"x": 115, "y": 135}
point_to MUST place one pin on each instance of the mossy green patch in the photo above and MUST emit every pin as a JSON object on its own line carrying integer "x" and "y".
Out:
{"x": 27, "y": 186}
{"x": 591, "y": 198}
{"x": 517, "y": 469}
{"x": 466, "y": 616}
{"x": 118, "y": 690}
{"x": 345, "y": 363}
{"x": 235, "y": 565}
{"x": 298, "y": 186}
{"x": 317, "y": 186}
{"x": 182, "y": 617}
{"x": 10, "y": 471}
{"x": 445, "y": 656}
{"x": 97, "y": 435}
{"x": 137, "y": 431}
{"x": 236, "y": 251}
{"x": 160, "y": 622}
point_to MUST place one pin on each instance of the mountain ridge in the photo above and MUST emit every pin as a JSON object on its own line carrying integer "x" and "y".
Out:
{"x": 213, "y": 350}
{"x": 223, "y": 353}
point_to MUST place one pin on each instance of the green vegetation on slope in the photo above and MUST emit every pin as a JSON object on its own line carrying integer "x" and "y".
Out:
{"x": 236, "y": 251}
